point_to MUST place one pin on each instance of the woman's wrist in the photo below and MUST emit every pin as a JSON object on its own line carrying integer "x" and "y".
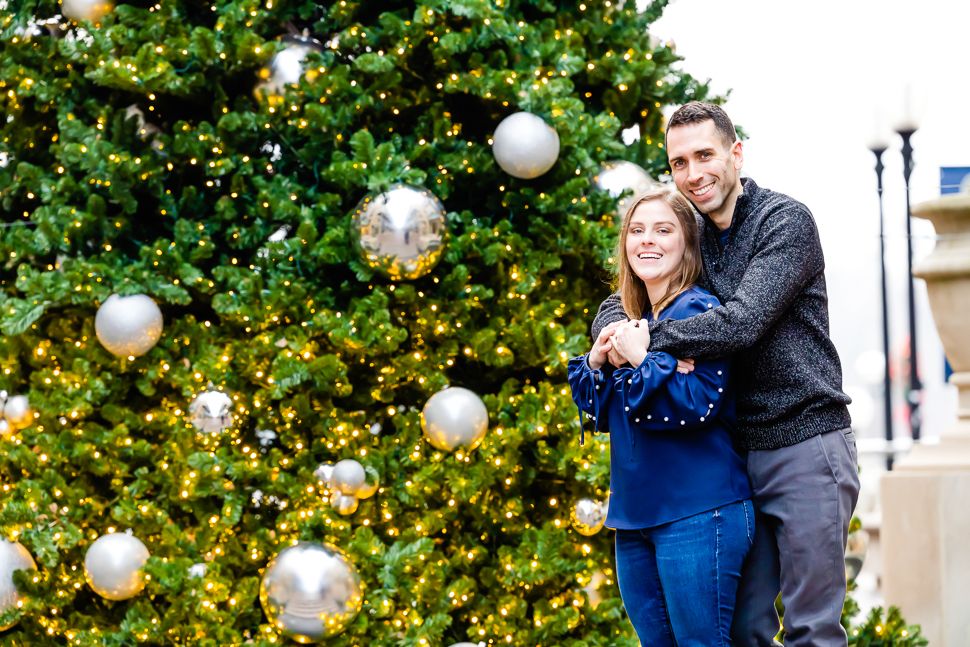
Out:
{"x": 593, "y": 365}
{"x": 636, "y": 358}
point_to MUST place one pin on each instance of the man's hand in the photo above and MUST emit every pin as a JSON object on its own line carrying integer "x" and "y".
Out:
{"x": 632, "y": 340}
{"x": 685, "y": 366}
{"x": 601, "y": 346}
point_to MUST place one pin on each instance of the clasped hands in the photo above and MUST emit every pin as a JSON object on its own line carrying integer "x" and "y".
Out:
{"x": 624, "y": 342}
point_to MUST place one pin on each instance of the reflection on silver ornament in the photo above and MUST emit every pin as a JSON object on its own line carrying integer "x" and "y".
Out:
{"x": 588, "y": 516}
{"x": 15, "y": 413}
{"x": 128, "y": 326}
{"x": 286, "y": 68}
{"x": 855, "y": 553}
{"x": 525, "y": 146}
{"x": 348, "y": 475}
{"x": 211, "y": 412}
{"x": 619, "y": 176}
{"x": 13, "y": 557}
{"x": 311, "y": 591}
{"x": 112, "y": 565}
{"x": 401, "y": 232}
{"x": 323, "y": 473}
{"x": 454, "y": 417}
{"x": 93, "y": 10}
{"x": 345, "y": 503}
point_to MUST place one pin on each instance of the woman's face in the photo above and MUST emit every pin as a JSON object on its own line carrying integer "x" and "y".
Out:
{"x": 654, "y": 243}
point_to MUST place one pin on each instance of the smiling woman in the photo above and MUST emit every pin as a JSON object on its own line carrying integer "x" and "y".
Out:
{"x": 659, "y": 241}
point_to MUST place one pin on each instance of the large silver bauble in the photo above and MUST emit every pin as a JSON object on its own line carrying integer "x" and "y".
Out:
{"x": 286, "y": 68}
{"x": 348, "y": 476}
{"x": 619, "y": 176}
{"x": 401, "y": 232}
{"x": 92, "y": 10}
{"x": 311, "y": 591}
{"x": 454, "y": 417}
{"x": 128, "y": 325}
{"x": 525, "y": 146}
{"x": 211, "y": 412}
{"x": 588, "y": 516}
{"x": 13, "y": 557}
{"x": 113, "y": 565}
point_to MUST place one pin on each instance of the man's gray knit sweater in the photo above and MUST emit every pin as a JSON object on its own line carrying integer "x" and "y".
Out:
{"x": 774, "y": 321}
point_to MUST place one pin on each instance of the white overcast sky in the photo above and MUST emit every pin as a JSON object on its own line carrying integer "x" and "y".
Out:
{"x": 806, "y": 79}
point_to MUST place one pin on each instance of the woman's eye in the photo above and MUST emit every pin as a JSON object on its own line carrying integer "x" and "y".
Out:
{"x": 663, "y": 231}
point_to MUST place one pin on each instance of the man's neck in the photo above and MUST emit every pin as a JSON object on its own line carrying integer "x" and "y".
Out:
{"x": 723, "y": 217}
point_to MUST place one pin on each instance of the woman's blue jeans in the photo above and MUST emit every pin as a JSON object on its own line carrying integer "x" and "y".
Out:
{"x": 679, "y": 580}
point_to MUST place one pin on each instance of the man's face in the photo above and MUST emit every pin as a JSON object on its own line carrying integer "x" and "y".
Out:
{"x": 704, "y": 169}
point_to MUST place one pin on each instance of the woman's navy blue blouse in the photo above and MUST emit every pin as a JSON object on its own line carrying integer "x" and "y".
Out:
{"x": 671, "y": 449}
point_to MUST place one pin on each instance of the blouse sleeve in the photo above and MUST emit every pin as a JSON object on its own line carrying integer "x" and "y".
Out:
{"x": 659, "y": 398}
{"x": 591, "y": 392}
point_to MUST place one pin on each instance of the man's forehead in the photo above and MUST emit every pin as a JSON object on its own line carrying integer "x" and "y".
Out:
{"x": 692, "y": 138}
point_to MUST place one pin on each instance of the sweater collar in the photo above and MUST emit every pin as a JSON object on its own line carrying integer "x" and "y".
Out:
{"x": 741, "y": 207}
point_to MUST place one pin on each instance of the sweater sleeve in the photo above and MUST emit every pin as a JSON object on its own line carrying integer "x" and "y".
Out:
{"x": 591, "y": 392}
{"x": 788, "y": 255}
{"x": 609, "y": 311}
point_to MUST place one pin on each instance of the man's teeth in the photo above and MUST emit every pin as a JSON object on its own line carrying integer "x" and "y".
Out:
{"x": 652, "y": 255}
{"x": 702, "y": 190}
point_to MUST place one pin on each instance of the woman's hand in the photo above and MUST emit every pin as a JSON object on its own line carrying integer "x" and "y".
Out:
{"x": 631, "y": 340}
{"x": 602, "y": 346}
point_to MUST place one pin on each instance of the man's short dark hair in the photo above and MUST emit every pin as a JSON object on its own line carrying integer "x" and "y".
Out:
{"x": 696, "y": 112}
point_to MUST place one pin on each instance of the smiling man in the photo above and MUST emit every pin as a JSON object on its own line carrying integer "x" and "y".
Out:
{"x": 763, "y": 260}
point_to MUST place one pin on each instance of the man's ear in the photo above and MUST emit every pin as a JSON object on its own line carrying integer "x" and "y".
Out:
{"x": 737, "y": 155}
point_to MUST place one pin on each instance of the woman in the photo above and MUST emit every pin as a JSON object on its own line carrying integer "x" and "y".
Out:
{"x": 679, "y": 494}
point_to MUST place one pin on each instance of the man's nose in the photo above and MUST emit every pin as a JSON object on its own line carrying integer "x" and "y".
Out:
{"x": 694, "y": 172}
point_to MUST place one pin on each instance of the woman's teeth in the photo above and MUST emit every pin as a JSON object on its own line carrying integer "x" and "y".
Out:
{"x": 649, "y": 255}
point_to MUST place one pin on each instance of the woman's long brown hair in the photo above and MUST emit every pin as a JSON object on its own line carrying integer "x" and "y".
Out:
{"x": 633, "y": 292}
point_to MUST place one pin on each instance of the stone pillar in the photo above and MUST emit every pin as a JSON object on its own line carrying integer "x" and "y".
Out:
{"x": 926, "y": 498}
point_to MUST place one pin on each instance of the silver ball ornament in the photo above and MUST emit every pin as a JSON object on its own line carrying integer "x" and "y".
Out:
{"x": 345, "y": 503}
{"x": 619, "y": 176}
{"x": 311, "y": 591}
{"x": 128, "y": 326}
{"x": 348, "y": 475}
{"x": 855, "y": 553}
{"x": 13, "y": 557}
{"x": 588, "y": 516}
{"x": 93, "y": 10}
{"x": 211, "y": 412}
{"x": 15, "y": 413}
{"x": 454, "y": 418}
{"x": 323, "y": 473}
{"x": 112, "y": 566}
{"x": 401, "y": 232}
{"x": 525, "y": 146}
{"x": 286, "y": 68}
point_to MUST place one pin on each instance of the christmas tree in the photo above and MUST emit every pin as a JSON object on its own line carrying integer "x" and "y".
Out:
{"x": 169, "y": 150}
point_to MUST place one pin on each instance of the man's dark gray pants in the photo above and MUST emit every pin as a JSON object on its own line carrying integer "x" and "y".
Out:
{"x": 804, "y": 496}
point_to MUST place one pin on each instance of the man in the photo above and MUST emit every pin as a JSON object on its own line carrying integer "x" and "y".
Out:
{"x": 763, "y": 260}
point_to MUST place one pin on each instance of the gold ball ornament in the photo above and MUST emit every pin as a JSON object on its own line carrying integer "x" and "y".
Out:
{"x": 401, "y": 232}
{"x": 588, "y": 516}
{"x": 311, "y": 591}
{"x": 128, "y": 326}
{"x": 78, "y": 10}
{"x": 13, "y": 557}
{"x": 454, "y": 417}
{"x": 286, "y": 68}
{"x": 112, "y": 565}
{"x": 345, "y": 504}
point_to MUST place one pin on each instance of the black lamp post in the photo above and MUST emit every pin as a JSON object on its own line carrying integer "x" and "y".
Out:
{"x": 878, "y": 149}
{"x": 913, "y": 397}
